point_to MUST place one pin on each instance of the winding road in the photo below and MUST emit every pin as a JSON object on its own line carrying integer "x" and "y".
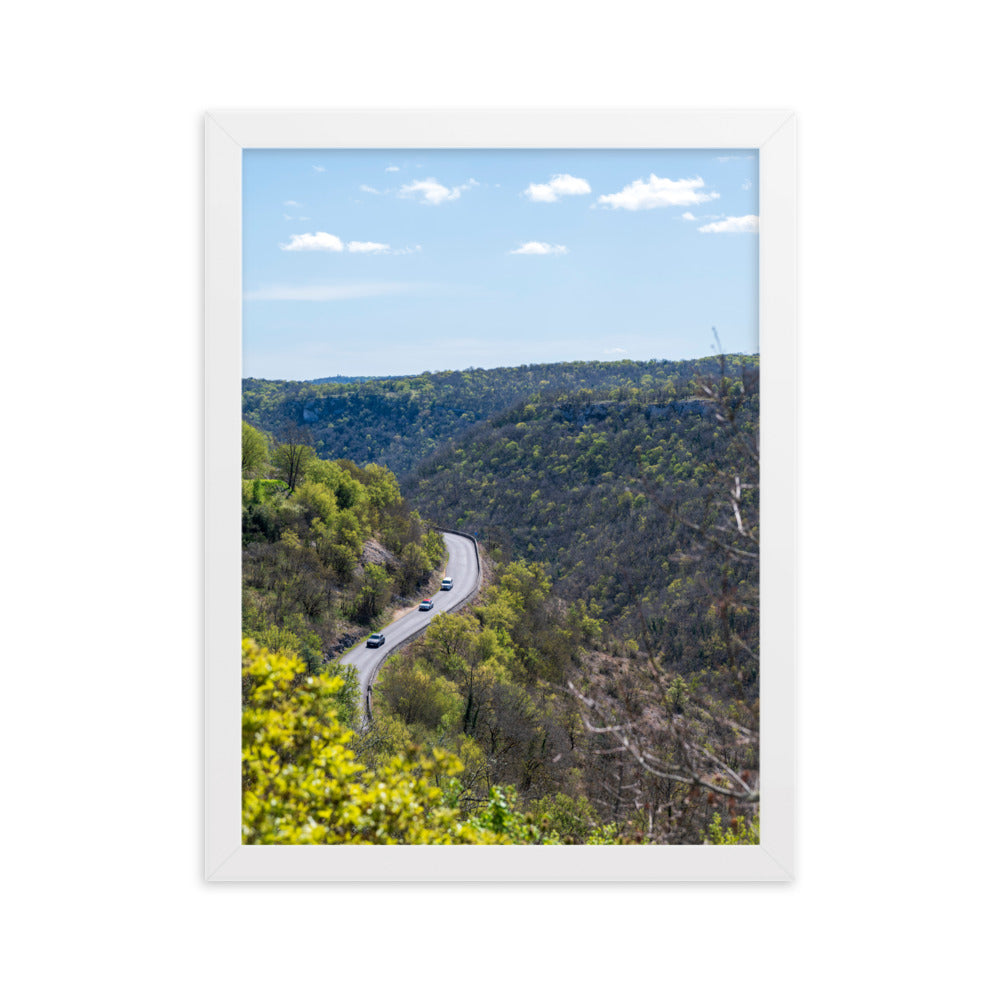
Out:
{"x": 463, "y": 568}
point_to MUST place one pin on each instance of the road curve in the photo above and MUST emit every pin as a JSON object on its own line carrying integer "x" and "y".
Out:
{"x": 463, "y": 568}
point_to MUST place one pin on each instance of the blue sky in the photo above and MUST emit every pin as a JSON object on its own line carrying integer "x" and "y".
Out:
{"x": 394, "y": 262}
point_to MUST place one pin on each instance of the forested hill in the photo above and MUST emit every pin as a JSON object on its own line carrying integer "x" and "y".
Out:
{"x": 397, "y": 422}
{"x": 602, "y": 678}
{"x": 590, "y": 487}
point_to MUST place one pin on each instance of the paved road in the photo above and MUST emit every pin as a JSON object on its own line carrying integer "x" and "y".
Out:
{"x": 463, "y": 569}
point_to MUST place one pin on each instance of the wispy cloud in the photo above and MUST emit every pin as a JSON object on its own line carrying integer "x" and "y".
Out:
{"x": 536, "y": 248}
{"x": 391, "y": 170}
{"x": 733, "y": 224}
{"x": 689, "y": 217}
{"x": 332, "y": 293}
{"x": 659, "y": 192}
{"x": 319, "y": 170}
{"x": 357, "y": 246}
{"x": 558, "y": 185}
{"x": 615, "y": 350}
{"x": 432, "y": 193}
{"x": 747, "y": 184}
{"x": 313, "y": 241}
{"x": 740, "y": 156}
{"x": 291, "y": 204}
{"x": 369, "y": 189}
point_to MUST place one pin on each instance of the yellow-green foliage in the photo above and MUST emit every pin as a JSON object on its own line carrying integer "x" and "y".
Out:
{"x": 421, "y": 697}
{"x": 736, "y": 833}
{"x": 254, "y": 451}
{"x": 301, "y": 785}
{"x": 492, "y": 680}
{"x": 501, "y": 817}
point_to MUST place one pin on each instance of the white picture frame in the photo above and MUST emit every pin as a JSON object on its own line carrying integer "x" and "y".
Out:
{"x": 772, "y": 135}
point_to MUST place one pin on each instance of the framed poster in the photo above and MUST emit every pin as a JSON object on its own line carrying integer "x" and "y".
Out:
{"x": 552, "y": 350}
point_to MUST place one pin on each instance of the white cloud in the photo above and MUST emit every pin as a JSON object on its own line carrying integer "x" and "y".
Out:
{"x": 291, "y": 204}
{"x": 313, "y": 241}
{"x": 432, "y": 193}
{"x": 534, "y": 247}
{"x": 615, "y": 350}
{"x": 659, "y": 192}
{"x": 559, "y": 185}
{"x": 391, "y": 170}
{"x": 356, "y": 246}
{"x": 331, "y": 293}
{"x": 319, "y": 170}
{"x": 369, "y": 189}
{"x": 747, "y": 185}
{"x": 327, "y": 241}
{"x": 689, "y": 217}
{"x": 732, "y": 224}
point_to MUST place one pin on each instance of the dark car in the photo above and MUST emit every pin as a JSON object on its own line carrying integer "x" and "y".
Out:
{"x": 446, "y": 583}
{"x": 375, "y": 640}
{"x": 426, "y": 605}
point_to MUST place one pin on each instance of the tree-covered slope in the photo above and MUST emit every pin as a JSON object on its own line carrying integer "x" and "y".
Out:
{"x": 397, "y": 422}
{"x": 327, "y": 548}
{"x": 607, "y": 682}
{"x": 602, "y": 490}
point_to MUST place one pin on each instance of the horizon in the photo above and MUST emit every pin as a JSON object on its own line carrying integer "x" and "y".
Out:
{"x": 534, "y": 364}
{"x": 441, "y": 260}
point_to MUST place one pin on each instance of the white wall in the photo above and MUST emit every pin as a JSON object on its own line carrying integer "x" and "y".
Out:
{"x": 101, "y": 406}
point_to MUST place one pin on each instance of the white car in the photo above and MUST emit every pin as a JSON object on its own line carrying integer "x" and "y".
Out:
{"x": 446, "y": 583}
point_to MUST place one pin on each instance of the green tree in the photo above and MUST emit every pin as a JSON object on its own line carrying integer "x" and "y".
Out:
{"x": 414, "y": 567}
{"x": 254, "y": 452}
{"x": 291, "y": 461}
{"x": 382, "y": 487}
{"x": 501, "y": 816}
{"x": 415, "y": 695}
{"x": 376, "y": 587}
